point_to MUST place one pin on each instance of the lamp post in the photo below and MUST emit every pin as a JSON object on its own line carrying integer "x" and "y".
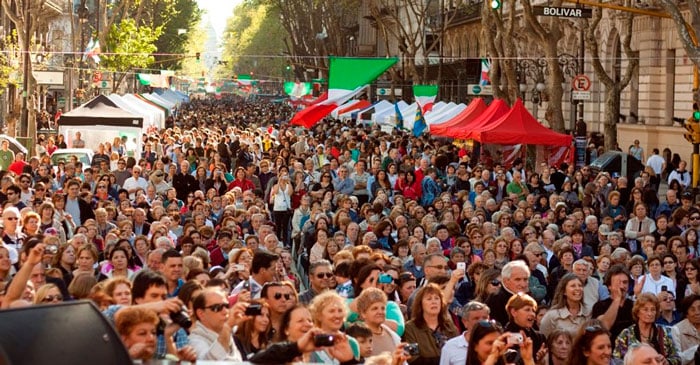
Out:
{"x": 533, "y": 69}
{"x": 83, "y": 13}
{"x": 24, "y": 123}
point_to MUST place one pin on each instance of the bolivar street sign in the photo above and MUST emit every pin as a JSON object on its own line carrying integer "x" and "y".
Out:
{"x": 563, "y": 12}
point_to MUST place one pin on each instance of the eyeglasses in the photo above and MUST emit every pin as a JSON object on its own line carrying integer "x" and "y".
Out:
{"x": 286, "y": 296}
{"x": 490, "y": 324}
{"x": 690, "y": 269}
{"x": 495, "y": 282}
{"x": 593, "y": 329}
{"x": 439, "y": 267}
{"x": 52, "y": 298}
{"x": 102, "y": 187}
{"x": 327, "y": 275}
{"x": 39, "y": 189}
{"x": 190, "y": 196}
{"x": 218, "y": 307}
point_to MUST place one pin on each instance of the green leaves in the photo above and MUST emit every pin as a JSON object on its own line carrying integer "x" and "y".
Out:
{"x": 130, "y": 46}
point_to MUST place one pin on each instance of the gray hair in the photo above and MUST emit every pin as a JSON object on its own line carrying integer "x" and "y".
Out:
{"x": 619, "y": 253}
{"x": 582, "y": 262}
{"x": 474, "y": 306}
{"x": 507, "y": 270}
{"x": 630, "y": 355}
{"x": 320, "y": 263}
{"x": 591, "y": 219}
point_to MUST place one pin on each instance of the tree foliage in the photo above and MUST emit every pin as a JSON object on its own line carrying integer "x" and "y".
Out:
{"x": 253, "y": 40}
{"x": 130, "y": 46}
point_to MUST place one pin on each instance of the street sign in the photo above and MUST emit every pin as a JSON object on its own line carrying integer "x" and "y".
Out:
{"x": 563, "y": 12}
{"x": 581, "y": 83}
{"x": 476, "y": 89}
{"x": 581, "y": 95}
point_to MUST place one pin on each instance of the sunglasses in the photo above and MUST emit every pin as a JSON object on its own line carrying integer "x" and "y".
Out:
{"x": 593, "y": 329}
{"x": 327, "y": 275}
{"x": 496, "y": 282}
{"x": 286, "y": 296}
{"x": 52, "y": 298}
{"x": 490, "y": 324}
{"x": 216, "y": 308}
{"x": 694, "y": 218}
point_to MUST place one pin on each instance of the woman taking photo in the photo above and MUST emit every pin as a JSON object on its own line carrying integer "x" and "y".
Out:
{"x": 430, "y": 326}
{"x": 568, "y": 311}
{"x": 328, "y": 312}
{"x": 254, "y": 333}
{"x": 371, "y": 306}
{"x": 644, "y": 312}
{"x": 488, "y": 345}
{"x": 522, "y": 313}
{"x": 653, "y": 282}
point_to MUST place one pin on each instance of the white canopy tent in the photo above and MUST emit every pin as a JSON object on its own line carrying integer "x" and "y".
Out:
{"x": 150, "y": 117}
{"x": 134, "y": 100}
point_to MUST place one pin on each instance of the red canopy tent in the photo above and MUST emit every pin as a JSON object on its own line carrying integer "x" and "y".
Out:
{"x": 472, "y": 111}
{"x": 519, "y": 126}
{"x": 496, "y": 110}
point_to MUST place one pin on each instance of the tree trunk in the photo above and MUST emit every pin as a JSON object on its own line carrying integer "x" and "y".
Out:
{"x": 554, "y": 113}
{"x": 612, "y": 116}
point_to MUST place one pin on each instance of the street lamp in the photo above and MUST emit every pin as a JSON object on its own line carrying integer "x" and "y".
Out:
{"x": 83, "y": 13}
{"x": 527, "y": 68}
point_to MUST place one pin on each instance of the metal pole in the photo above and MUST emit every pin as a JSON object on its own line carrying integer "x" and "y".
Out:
{"x": 24, "y": 124}
{"x": 581, "y": 70}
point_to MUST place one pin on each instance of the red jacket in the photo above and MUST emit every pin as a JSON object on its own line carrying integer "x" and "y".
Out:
{"x": 243, "y": 184}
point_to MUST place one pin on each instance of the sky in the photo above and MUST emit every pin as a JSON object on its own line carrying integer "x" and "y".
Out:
{"x": 217, "y": 11}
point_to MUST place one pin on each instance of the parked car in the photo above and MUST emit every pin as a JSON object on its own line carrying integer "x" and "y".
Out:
{"x": 84, "y": 155}
{"x": 618, "y": 162}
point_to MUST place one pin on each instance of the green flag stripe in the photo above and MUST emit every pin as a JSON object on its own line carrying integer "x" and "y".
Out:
{"x": 425, "y": 90}
{"x": 348, "y": 73}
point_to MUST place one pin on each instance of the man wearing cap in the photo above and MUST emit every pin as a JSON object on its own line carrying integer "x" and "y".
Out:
{"x": 687, "y": 200}
{"x": 669, "y": 205}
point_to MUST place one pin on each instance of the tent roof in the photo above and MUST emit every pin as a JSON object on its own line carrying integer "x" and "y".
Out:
{"x": 473, "y": 110}
{"x": 519, "y": 126}
{"x": 496, "y": 110}
{"x": 103, "y": 111}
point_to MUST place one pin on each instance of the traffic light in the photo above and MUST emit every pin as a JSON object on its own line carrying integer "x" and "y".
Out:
{"x": 495, "y": 4}
{"x": 692, "y": 125}
{"x": 196, "y": 56}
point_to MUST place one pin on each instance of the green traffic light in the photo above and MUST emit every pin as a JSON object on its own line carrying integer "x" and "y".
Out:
{"x": 696, "y": 115}
{"x": 495, "y": 4}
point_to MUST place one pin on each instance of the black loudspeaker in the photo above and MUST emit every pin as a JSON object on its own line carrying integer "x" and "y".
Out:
{"x": 67, "y": 333}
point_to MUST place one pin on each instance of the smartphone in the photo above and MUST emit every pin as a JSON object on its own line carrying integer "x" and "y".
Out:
{"x": 246, "y": 285}
{"x": 462, "y": 266}
{"x": 664, "y": 288}
{"x": 239, "y": 267}
{"x": 323, "y": 340}
{"x": 253, "y": 310}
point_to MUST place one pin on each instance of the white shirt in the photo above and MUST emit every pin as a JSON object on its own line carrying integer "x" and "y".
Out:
{"x": 205, "y": 343}
{"x": 132, "y": 183}
{"x": 455, "y": 351}
{"x": 656, "y": 162}
{"x": 654, "y": 287}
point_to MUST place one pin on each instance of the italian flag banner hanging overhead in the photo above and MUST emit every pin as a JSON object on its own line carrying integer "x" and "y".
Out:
{"x": 347, "y": 77}
{"x": 425, "y": 96}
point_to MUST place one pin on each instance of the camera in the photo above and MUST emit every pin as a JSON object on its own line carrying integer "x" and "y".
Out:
{"x": 253, "y": 310}
{"x": 181, "y": 318}
{"x": 515, "y": 339}
{"x": 411, "y": 349}
{"x": 323, "y": 340}
{"x": 664, "y": 288}
{"x": 50, "y": 249}
{"x": 385, "y": 279}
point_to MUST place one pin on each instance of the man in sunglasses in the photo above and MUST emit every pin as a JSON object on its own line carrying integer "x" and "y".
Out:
{"x": 320, "y": 277}
{"x": 212, "y": 334}
{"x": 280, "y": 297}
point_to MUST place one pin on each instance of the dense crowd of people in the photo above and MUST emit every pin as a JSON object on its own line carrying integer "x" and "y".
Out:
{"x": 236, "y": 236}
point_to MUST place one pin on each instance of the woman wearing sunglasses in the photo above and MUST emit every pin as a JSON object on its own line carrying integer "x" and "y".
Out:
{"x": 48, "y": 294}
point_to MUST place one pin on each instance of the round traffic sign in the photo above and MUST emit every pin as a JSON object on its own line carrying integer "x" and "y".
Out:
{"x": 581, "y": 83}
{"x": 476, "y": 89}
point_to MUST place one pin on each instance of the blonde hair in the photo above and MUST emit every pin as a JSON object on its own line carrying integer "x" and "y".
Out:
{"x": 324, "y": 300}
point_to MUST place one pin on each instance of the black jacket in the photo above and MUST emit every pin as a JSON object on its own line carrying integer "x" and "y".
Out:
{"x": 184, "y": 184}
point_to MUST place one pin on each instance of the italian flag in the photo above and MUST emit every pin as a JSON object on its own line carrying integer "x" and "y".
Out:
{"x": 296, "y": 90}
{"x": 425, "y": 96}
{"x": 347, "y": 77}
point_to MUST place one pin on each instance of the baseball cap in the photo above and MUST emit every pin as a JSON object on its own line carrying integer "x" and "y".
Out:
{"x": 687, "y": 195}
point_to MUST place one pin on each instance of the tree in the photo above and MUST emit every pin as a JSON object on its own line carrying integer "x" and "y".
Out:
{"x": 498, "y": 33}
{"x": 316, "y": 29}
{"x": 254, "y": 31}
{"x": 27, "y": 16}
{"x": 613, "y": 86}
{"x": 176, "y": 28}
{"x": 692, "y": 48}
{"x": 131, "y": 46}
